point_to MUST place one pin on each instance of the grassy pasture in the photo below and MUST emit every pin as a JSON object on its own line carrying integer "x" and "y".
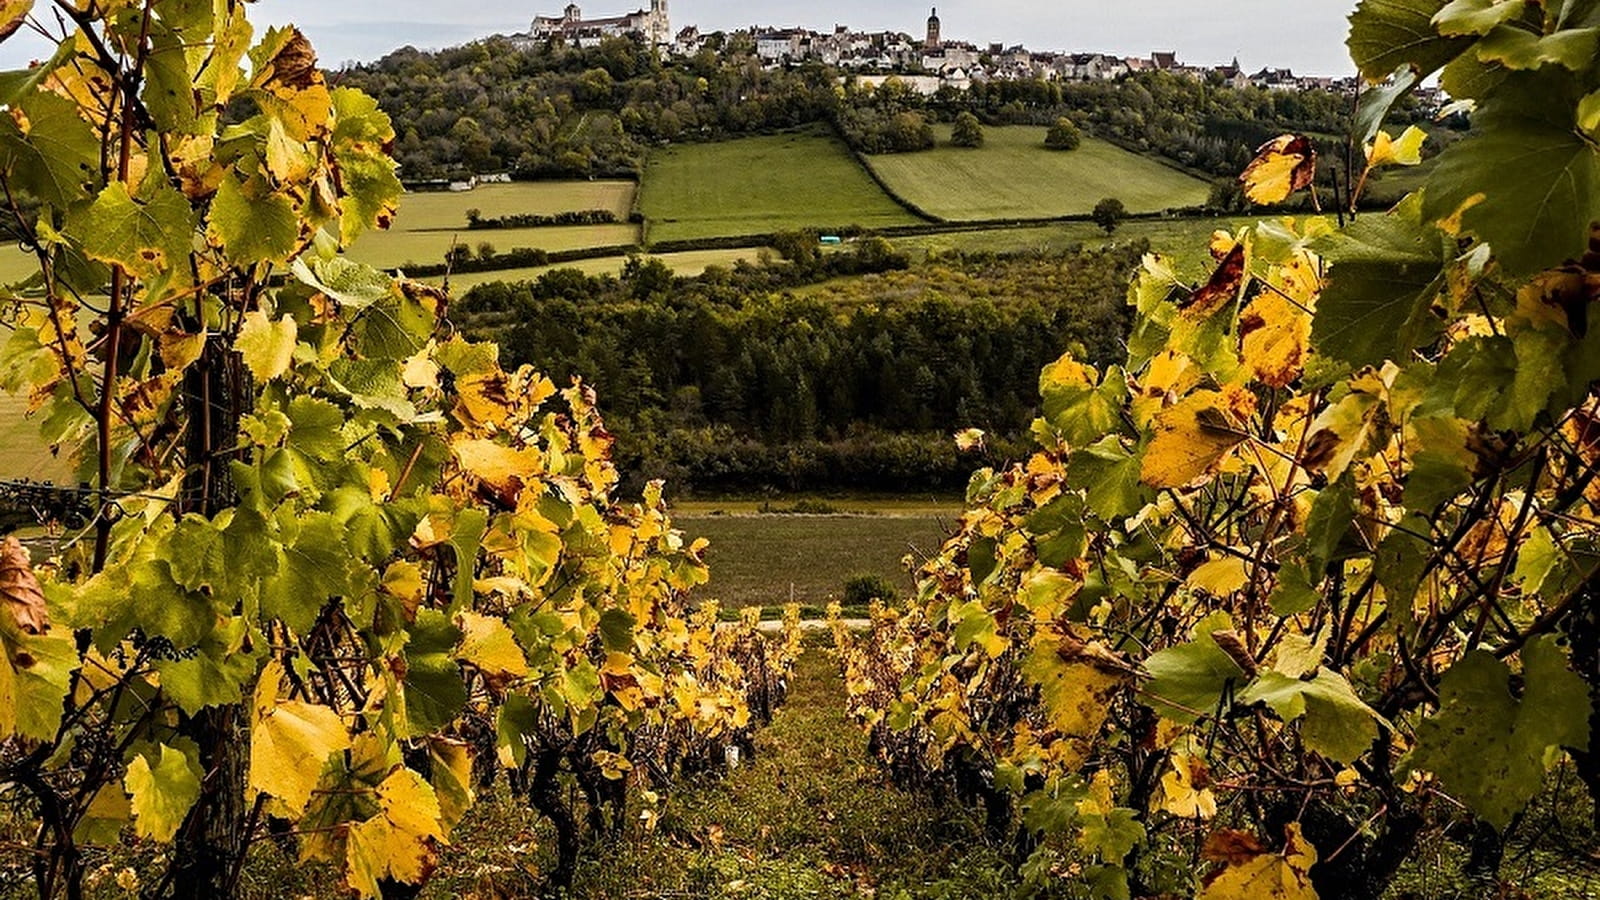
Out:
{"x": 395, "y": 248}
{"x": 757, "y": 559}
{"x": 689, "y": 262}
{"x": 1184, "y": 240}
{"x": 1014, "y": 175}
{"x": 425, "y": 210}
{"x": 429, "y": 221}
{"x": 16, "y": 265}
{"x": 760, "y": 184}
{"x": 23, "y": 453}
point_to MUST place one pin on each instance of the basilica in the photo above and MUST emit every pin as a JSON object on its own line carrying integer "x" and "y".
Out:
{"x": 573, "y": 28}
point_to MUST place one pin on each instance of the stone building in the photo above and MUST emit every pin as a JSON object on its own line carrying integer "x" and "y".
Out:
{"x": 652, "y": 25}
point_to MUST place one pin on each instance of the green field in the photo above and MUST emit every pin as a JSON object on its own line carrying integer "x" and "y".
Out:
{"x": 395, "y": 248}
{"x": 1185, "y": 240}
{"x": 16, "y": 265}
{"x": 758, "y": 185}
{"x": 689, "y": 262}
{"x": 1013, "y": 175}
{"x": 424, "y": 210}
{"x": 22, "y": 452}
{"x": 770, "y": 559}
{"x": 430, "y": 221}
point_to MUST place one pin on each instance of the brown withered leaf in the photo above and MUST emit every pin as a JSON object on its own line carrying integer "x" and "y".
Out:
{"x": 12, "y": 14}
{"x": 1566, "y": 293}
{"x": 1232, "y": 846}
{"x": 19, "y": 589}
{"x": 1283, "y": 165}
{"x": 1222, "y": 288}
{"x": 295, "y": 65}
{"x": 1230, "y": 643}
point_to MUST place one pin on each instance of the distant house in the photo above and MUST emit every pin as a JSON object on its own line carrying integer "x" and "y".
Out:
{"x": 688, "y": 42}
{"x": 778, "y": 46}
{"x": 926, "y": 85}
{"x": 1164, "y": 62}
{"x": 1275, "y": 80}
{"x": 1088, "y": 67}
{"x": 1233, "y": 75}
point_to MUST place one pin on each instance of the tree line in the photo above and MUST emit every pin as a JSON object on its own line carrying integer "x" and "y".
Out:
{"x": 730, "y": 380}
{"x": 555, "y": 111}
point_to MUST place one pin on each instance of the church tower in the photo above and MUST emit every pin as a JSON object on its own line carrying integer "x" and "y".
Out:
{"x": 934, "y": 42}
{"x": 660, "y": 25}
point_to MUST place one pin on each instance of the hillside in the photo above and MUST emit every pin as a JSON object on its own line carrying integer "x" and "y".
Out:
{"x": 1013, "y": 175}
{"x": 761, "y": 184}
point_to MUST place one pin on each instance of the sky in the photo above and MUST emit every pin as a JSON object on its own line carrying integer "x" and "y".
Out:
{"x": 1304, "y": 35}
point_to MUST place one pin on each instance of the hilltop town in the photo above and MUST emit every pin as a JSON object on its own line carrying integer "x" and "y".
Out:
{"x": 926, "y": 64}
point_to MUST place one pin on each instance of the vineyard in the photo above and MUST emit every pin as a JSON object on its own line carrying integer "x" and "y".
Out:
{"x": 1304, "y": 588}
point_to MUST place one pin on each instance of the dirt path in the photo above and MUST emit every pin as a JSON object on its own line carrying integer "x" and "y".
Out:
{"x": 810, "y": 816}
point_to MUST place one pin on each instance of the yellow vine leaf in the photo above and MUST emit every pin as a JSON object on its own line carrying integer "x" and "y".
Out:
{"x": 488, "y": 643}
{"x": 267, "y": 347}
{"x": 12, "y": 14}
{"x": 1185, "y": 789}
{"x": 1220, "y": 577}
{"x": 1077, "y": 682}
{"x": 484, "y": 399}
{"x": 290, "y": 740}
{"x": 179, "y": 351}
{"x": 163, "y": 791}
{"x": 1251, "y": 873}
{"x": 1350, "y": 426}
{"x": 1169, "y": 376}
{"x": 452, "y": 780}
{"x": 1274, "y": 336}
{"x": 502, "y": 469}
{"x": 1192, "y": 437}
{"x": 1405, "y": 150}
{"x": 1282, "y": 166}
{"x": 291, "y": 85}
{"x": 401, "y": 841}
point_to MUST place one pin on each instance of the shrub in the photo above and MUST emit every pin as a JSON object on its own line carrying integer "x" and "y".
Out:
{"x": 1063, "y": 135}
{"x": 968, "y": 131}
{"x": 860, "y": 590}
{"x": 1108, "y": 213}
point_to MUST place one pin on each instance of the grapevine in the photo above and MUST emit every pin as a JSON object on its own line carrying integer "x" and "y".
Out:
{"x": 1294, "y": 585}
{"x": 341, "y": 565}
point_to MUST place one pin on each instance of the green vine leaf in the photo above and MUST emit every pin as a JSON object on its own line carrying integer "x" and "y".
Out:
{"x": 1386, "y": 34}
{"x": 146, "y": 234}
{"x": 1489, "y": 747}
{"x": 1528, "y": 183}
{"x": 164, "y": 783}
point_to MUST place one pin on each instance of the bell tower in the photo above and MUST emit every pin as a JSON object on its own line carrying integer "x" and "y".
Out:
{"x": 934, "y": 41}
{"x": 660, "y": 24}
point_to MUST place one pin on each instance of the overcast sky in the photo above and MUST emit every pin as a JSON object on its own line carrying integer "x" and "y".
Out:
{"x": 1305, "y": 35}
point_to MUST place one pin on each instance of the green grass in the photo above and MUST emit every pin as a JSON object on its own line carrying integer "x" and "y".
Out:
{"x": 761, "y": 560}
{"x": 761, "y": 184}
{"x": 1014, "y": 175}
{"x": 395, "y": 248}
{"x": 23, "y": 453}
{"x": 16, "y": 265}
{"x": 423, "y": 210}
{"x": 1185, "y": 240}
{"x": 430, "y": 221}
{"x": 689, "y": 262}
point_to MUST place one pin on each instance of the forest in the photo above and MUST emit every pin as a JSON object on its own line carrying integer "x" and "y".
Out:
{"x": 736, "y": 379}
